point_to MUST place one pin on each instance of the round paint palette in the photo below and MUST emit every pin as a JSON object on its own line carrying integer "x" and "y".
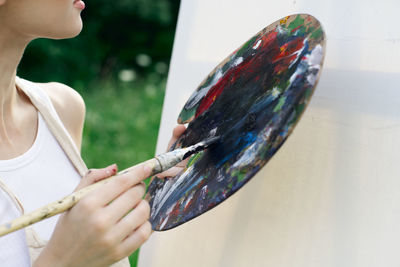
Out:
{"x": 252, "y": 101}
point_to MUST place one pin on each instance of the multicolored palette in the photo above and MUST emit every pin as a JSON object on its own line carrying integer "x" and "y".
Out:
{"x": 252, "y": 100}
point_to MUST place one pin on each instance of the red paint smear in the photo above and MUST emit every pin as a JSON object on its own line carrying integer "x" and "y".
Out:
{"x": 175, "y": 211}
{"x": 188, "y": 205}
{"x": 289, "y": 48}
{"x": 233, "y": 73}
{"x": 284, "y": 63}
{"x": 285, "y": 54}
{"x": 267, "y": 39}
{"x": 295, "y": 29}
{"x": 212, "y": 94}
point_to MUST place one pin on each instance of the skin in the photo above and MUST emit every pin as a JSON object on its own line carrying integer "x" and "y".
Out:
{"x": 98, "y": 231}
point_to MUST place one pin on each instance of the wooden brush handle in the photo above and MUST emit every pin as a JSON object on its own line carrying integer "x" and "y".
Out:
{"x": 158, "y": 164}
{"x": 63, "y": 204}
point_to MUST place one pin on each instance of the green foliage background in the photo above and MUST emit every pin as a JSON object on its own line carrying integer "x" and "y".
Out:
{"x": 114, "y": 34}
{"x": 119, "y": 65}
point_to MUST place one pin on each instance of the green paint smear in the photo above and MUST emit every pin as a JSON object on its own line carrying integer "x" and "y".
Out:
{"x": 207, "y": 82}
{"x": 187, "y": 115}
{"x": 264, "y": 155}
{"x": 230, "y": 185}
{"x": 280, "y": 103}
{"x": 246, "y": 46}
{"x": 298, "y": 21}
{"x": 194, "y": 158}
{"x": 317, "y": 34}
{"x": 307, "y": 95}
{"x": 240, "y": 175}
{"x": 300, "y": 108}
{"x": 284, "y": 83}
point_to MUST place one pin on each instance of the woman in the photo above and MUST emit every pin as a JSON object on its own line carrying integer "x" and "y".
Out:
{"x": 106, "y": 225}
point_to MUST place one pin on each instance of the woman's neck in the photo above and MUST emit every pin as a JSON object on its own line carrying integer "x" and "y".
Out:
{"x": 11, "y": 51}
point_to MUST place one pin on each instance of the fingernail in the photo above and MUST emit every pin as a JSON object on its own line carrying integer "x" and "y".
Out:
{"x": 112, "y": 169}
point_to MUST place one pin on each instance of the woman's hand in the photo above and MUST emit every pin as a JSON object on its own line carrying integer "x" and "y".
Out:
{"x": 176, "y": 133}
{"x": 105, "y": 226}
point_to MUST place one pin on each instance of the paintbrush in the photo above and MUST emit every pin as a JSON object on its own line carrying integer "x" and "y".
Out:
{"x": 157, "y": 164}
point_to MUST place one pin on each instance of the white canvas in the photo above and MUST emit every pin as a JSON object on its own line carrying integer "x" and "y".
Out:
{"x": 330, "y": 196}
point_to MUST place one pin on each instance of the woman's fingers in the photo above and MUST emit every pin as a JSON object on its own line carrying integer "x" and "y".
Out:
{"x": 95, "y": 175}
{"x": 176, "y": 133}
{"x": 107, "y": 224}
{"x": 136, "y": 239}
{"x": 133, "y": 220}
{"x": 171, "y": 172}
{"x": 125, "y": 202}
{"x": 121, "y": 183}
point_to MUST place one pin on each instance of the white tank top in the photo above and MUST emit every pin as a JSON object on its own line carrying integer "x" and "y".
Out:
{"x": 13, "y": 248}
{"x": 48, "y": 171}
{"x": 41, "y": 175}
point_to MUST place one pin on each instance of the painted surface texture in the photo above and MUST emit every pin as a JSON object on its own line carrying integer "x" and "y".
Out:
{"x": 252, "y": 100}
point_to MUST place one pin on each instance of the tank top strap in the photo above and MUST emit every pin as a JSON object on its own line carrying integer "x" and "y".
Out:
{"x": 12, "y": 196}
{"x": 43, "y": 104}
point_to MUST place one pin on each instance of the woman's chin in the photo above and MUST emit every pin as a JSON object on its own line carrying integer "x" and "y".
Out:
{"x": 71, "y": 32}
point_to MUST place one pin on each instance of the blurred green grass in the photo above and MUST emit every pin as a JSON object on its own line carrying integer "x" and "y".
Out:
{"x": 122, "y": 122}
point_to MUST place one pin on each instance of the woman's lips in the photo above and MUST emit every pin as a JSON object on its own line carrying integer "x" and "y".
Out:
{"x": 79, "y": 4}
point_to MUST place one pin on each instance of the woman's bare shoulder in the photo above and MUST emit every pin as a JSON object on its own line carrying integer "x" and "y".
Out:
{"x": 69, "y": 106}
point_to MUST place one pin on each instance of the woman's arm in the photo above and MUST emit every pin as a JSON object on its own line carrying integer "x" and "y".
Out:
{"x": 109, "y": 223}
